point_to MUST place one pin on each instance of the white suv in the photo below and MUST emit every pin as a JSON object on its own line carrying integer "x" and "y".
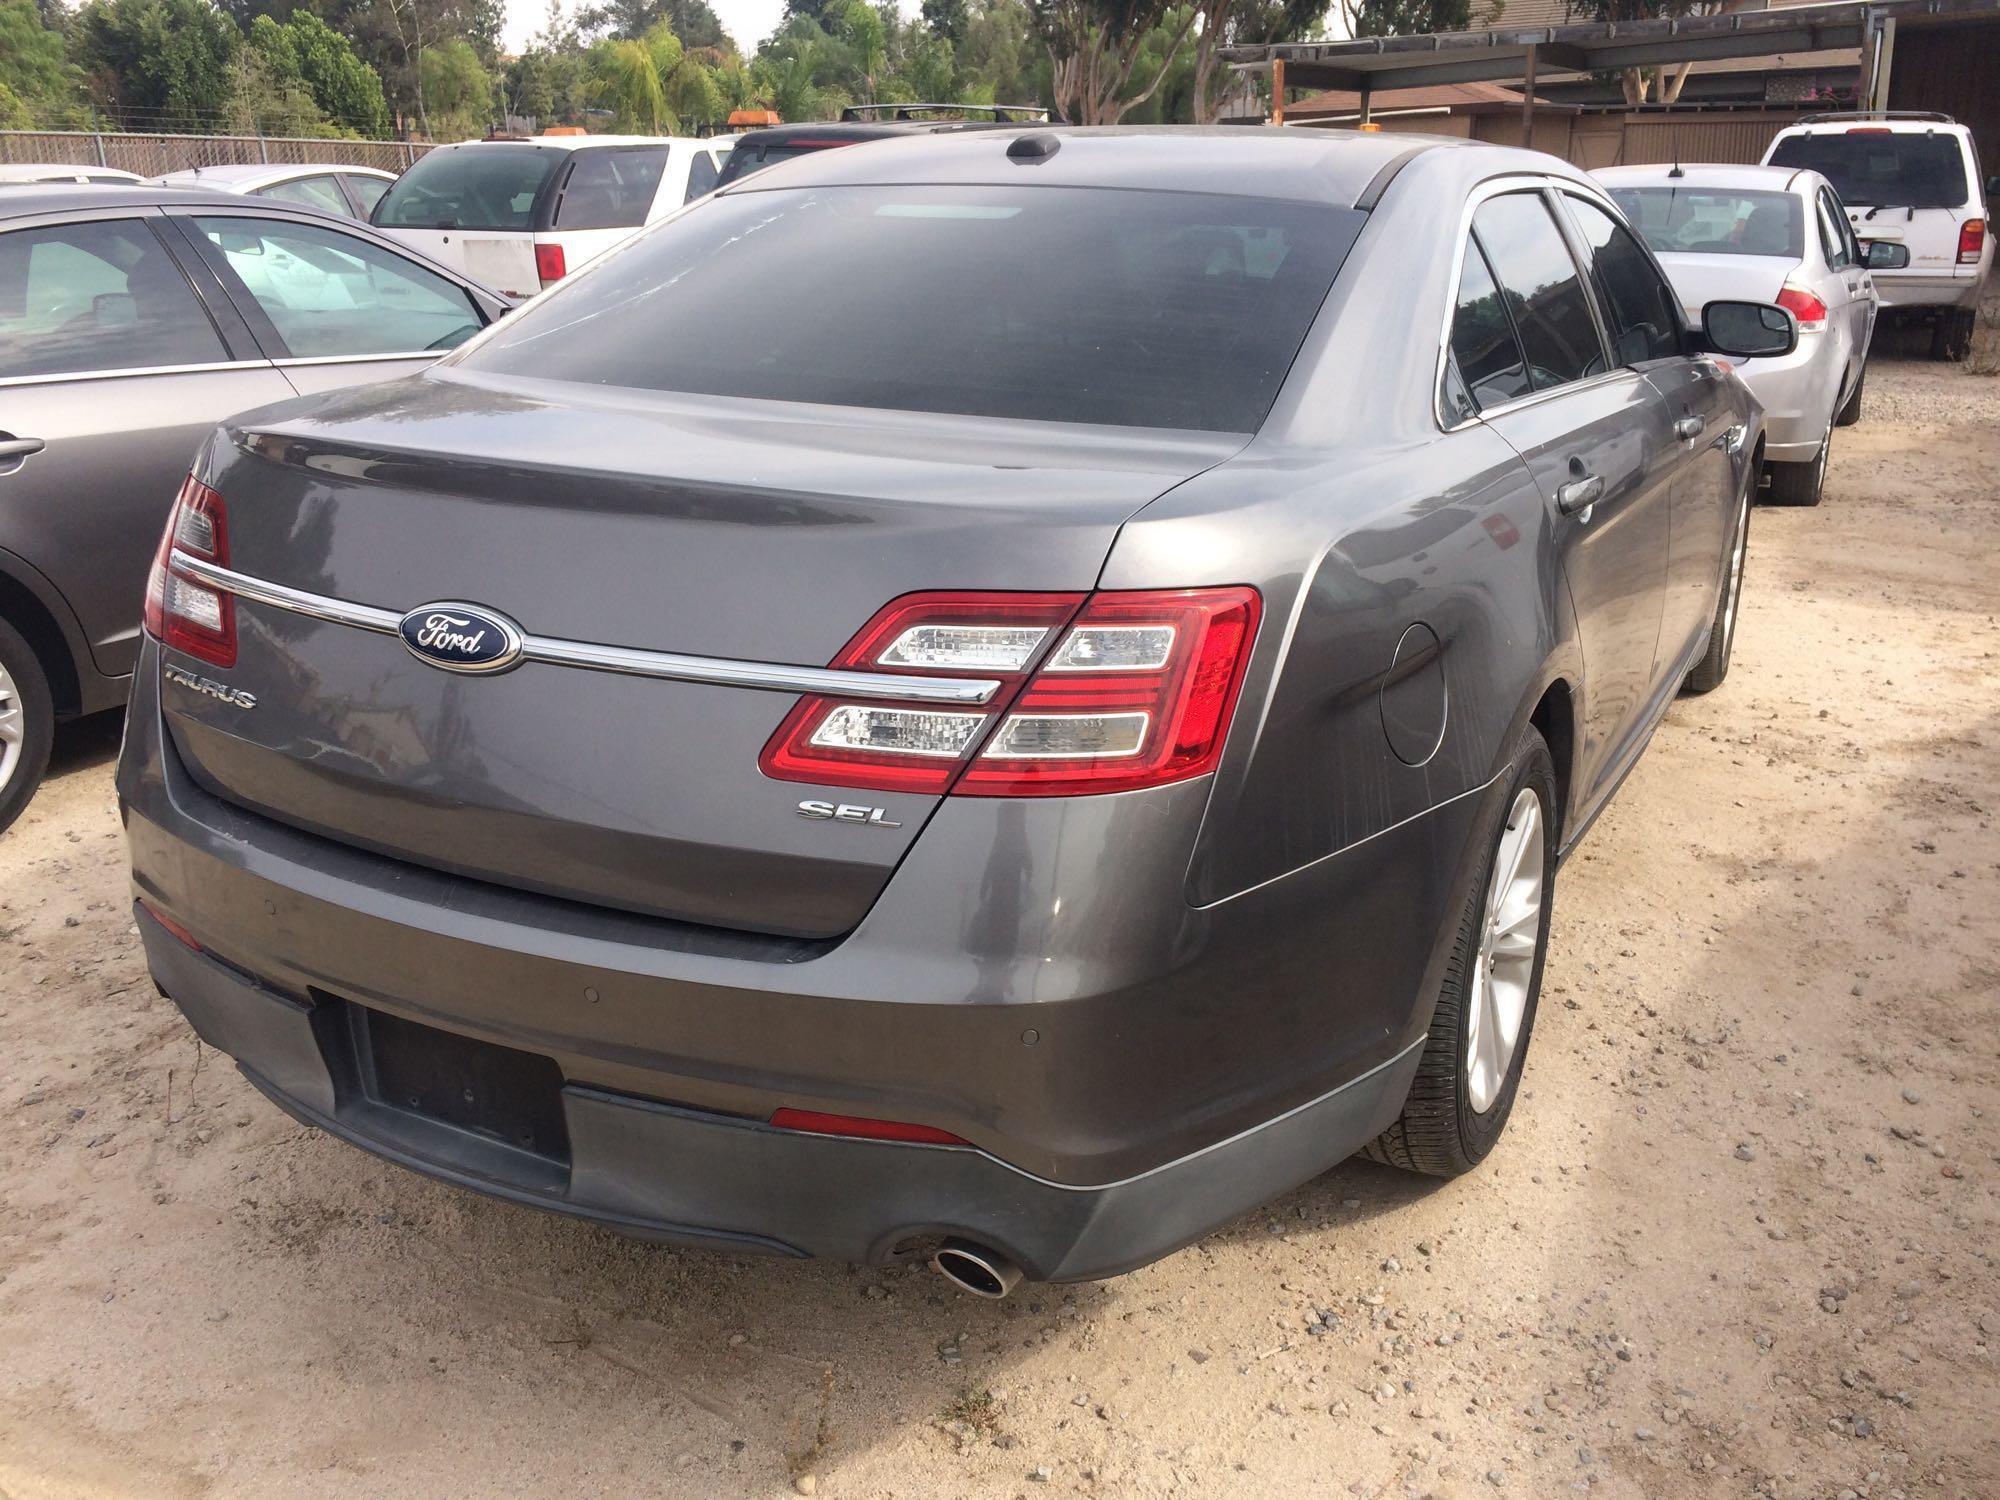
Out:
{"x": 519, "y": 214}
{"x": 1913, "y": 179}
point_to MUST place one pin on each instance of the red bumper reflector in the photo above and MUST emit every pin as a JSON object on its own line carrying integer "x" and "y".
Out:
{"x": 174, "y": 929}
{"x": 815, "y": 1123}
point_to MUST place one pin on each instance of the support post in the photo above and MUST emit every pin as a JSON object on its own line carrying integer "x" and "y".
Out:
{"x": 1277, "y": 91}
{"x": 1367, "y": 103}
{"x": 1528, "y": 101}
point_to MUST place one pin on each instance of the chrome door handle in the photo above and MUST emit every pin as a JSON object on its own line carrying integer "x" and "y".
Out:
{"x": 20, "y": 447}
{"x": 1580, "y": 494}
{"x": 1690, "y": 427}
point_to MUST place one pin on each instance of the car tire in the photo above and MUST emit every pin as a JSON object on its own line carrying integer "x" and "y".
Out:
{"x": 1464, "y": 1088}
{"x": 1951, "y": 334}
{"x": 1850, "y": 409}
{"x": 27, "y": 723}
{"x": 1707, "y": 674}
{"x": 1801, "y": 484}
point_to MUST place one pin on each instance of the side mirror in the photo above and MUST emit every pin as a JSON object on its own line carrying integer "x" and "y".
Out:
{"x": 1749, "y": 330}
{"x": 1885, "y": 255}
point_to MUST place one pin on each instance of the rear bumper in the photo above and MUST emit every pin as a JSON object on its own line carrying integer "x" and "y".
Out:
{"x": 1129, "y": 1079}
{"x": 1902, "y": 291}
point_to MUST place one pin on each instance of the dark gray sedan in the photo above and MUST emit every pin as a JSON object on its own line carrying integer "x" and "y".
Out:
{"x": 1004, "y": 697}
{"x": 132, "y": 320}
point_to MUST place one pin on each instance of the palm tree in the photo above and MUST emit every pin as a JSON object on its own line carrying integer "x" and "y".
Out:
{"x": 653, "y": 83}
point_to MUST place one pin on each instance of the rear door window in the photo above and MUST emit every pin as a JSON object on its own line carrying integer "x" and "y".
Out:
{"x": 611, "y": 189}
{"x": 1833, "y": 239}
{"x": 485, "y": 186}
{"x": 366, "y": 191}
{"x": 1875, "y": 167}
{"x": 1540, "y": 285}
{"x": 100, "y": 295}
{"x": 330, "y": 294}
{"x": 702, "y": 173}
{"x": 1638, "y": 303}
{"x": 321, "y": 192}
{"x": 1484, "y": 346}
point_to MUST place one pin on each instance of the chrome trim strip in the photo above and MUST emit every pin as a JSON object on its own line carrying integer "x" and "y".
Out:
{"x": 135, "y": 372}
{"x": 301, "y": 361}
{"x": 773, "y": 677}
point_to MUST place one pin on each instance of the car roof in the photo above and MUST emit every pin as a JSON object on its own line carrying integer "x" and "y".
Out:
{"x": 256, "y": 172}
{"x": 64, "y": 197}
{"x": 1706, "y": 174}
{"x": 580, "y": 142}
{"x": 1316, "y": 166}
{"x": 1862, "y": 124}
{"x": 867, "y": 130}
{"x": 12, "y": 172}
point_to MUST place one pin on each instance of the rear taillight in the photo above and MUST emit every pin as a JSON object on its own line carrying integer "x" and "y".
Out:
{"x": 813, "y": 1122}
{"x": 1803, "y": 305}
{"x": 1124, "y": 690}
{"x": 550, "y": 263}
{"x": 1869, "y": 130}
{"x": 1971, "y": 240}
{"x": 182, "y": 612}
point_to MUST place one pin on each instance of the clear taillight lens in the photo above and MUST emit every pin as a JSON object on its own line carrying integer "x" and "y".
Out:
{"x": 182, "y": 612}
{"x": 1132, "y": 690}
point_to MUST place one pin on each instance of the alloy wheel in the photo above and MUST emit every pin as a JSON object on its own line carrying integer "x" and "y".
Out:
{"x": 13, "y": 728}
{"x": 1509, "y": 937}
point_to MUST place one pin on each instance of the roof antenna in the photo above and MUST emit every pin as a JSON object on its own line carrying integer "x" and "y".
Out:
{"x": 1677, "y": 172}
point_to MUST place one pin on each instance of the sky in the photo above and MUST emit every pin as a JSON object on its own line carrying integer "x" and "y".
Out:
{"x": 749, "y": 21}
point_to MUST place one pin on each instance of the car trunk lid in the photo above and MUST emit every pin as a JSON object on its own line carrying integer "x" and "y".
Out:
{"x": 744, "y": 532}
{"x": 1699, "y": 278}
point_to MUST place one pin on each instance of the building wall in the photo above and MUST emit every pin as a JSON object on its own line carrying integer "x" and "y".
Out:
{"x": 1955, "y": 68}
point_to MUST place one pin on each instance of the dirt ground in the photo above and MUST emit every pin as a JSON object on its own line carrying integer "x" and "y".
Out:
{"x": 1739, "y": 1239}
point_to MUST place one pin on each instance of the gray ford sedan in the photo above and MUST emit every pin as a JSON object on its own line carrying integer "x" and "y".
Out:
{"x": 1003, "y": 697}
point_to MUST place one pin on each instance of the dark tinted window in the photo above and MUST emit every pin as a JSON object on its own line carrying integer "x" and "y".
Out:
{"x": 1483, "y": 345}
{"x": 1833, "y": 233}
{"x": 1901, "y": 169}
{"x": 103, "y": 295}
{"x": 1644, "y": 314}
{"x": 610, "y": 189}
{"x": 746, "y": 159}
{"x": 470, "y": 187}
{"x": 702, "y": 173}
{"x": 1715, "y": 221}
{"x": 1153, "y": 309}
{"x": 1543, "y": 292}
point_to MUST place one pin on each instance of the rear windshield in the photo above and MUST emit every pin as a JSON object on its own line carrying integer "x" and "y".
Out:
{"x": 747, "y": 159}
{"x": 1898, "y": 169}
{"x": 610, "y": 189}
{"x": 1715, "y": 221}
{"x": 1147, "y": 309}
{"x": 470, "y": 187}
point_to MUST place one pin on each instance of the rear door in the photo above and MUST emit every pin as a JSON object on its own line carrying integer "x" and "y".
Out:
{"x": 606, "y": 195}
{"x": 1533, "y": 362}
{"x": 1848, "y": 281}
{"x": 118, "y": 359}
{"x": 331, "y": 308}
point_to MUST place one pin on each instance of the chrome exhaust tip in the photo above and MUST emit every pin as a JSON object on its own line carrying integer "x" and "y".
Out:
{"x": 976, "y": 1269}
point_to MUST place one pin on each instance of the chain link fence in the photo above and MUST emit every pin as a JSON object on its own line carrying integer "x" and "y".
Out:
{"x": 151, "y": 155}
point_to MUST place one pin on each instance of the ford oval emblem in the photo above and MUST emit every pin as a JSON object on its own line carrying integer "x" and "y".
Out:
{"x": 461, "y": 638}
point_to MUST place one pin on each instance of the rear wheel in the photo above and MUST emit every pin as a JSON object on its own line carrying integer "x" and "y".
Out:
{"x": 1471, "y": 1068}
{"x": 26, "y": 723}
{"x": 1850, "y": 409}
{"x": 1708, "y": 673}
{"x": 1951, "y": 334}
{"x": 1801, "y": 484}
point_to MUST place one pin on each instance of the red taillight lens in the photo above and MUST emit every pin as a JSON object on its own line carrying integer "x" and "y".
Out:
{"x": 550, "y": 263}
{"x": 1803, "y": 305}
{"x": 1137, "y": 693}
{"x": 1127, "y": 690}
{"x": 1971, "y": 240}
{"x": 814, "y": 1123}
{"x": 182, "y": 612}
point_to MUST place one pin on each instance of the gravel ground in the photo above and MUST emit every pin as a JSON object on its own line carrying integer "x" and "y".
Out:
{"x": 1739, "y": 1240}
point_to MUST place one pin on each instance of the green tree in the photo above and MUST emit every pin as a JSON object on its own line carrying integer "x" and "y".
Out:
{"x": 306, "y": 53}
{"x": 860, "y": 27}
{"x": 1096, "y": 46}
{"x": 38, "y": 84}
{"x": 947, "y": 18}
{"x": 652, "y": 83}
{"x": 457, "y": 90}
{"x": 693, "y": 21}
{"x": 1230, "y": 23}
{"x": 160, "y": 64}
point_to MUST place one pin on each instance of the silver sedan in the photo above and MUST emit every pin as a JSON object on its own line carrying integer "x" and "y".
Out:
{"x": 1770, "y": 234}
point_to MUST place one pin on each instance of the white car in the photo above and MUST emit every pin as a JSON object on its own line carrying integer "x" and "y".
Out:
{"x": 1769, "y": 234}
{"x": 521, "y": 214}
{"x": 61, "y": 171}
{"x": 1914, "y": 179}
{"x": 349, "y": 191}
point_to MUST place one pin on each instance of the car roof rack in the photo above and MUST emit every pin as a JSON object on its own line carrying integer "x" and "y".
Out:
{"x": 1934, "y": 116}
{"x": 1027, "y": 114}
